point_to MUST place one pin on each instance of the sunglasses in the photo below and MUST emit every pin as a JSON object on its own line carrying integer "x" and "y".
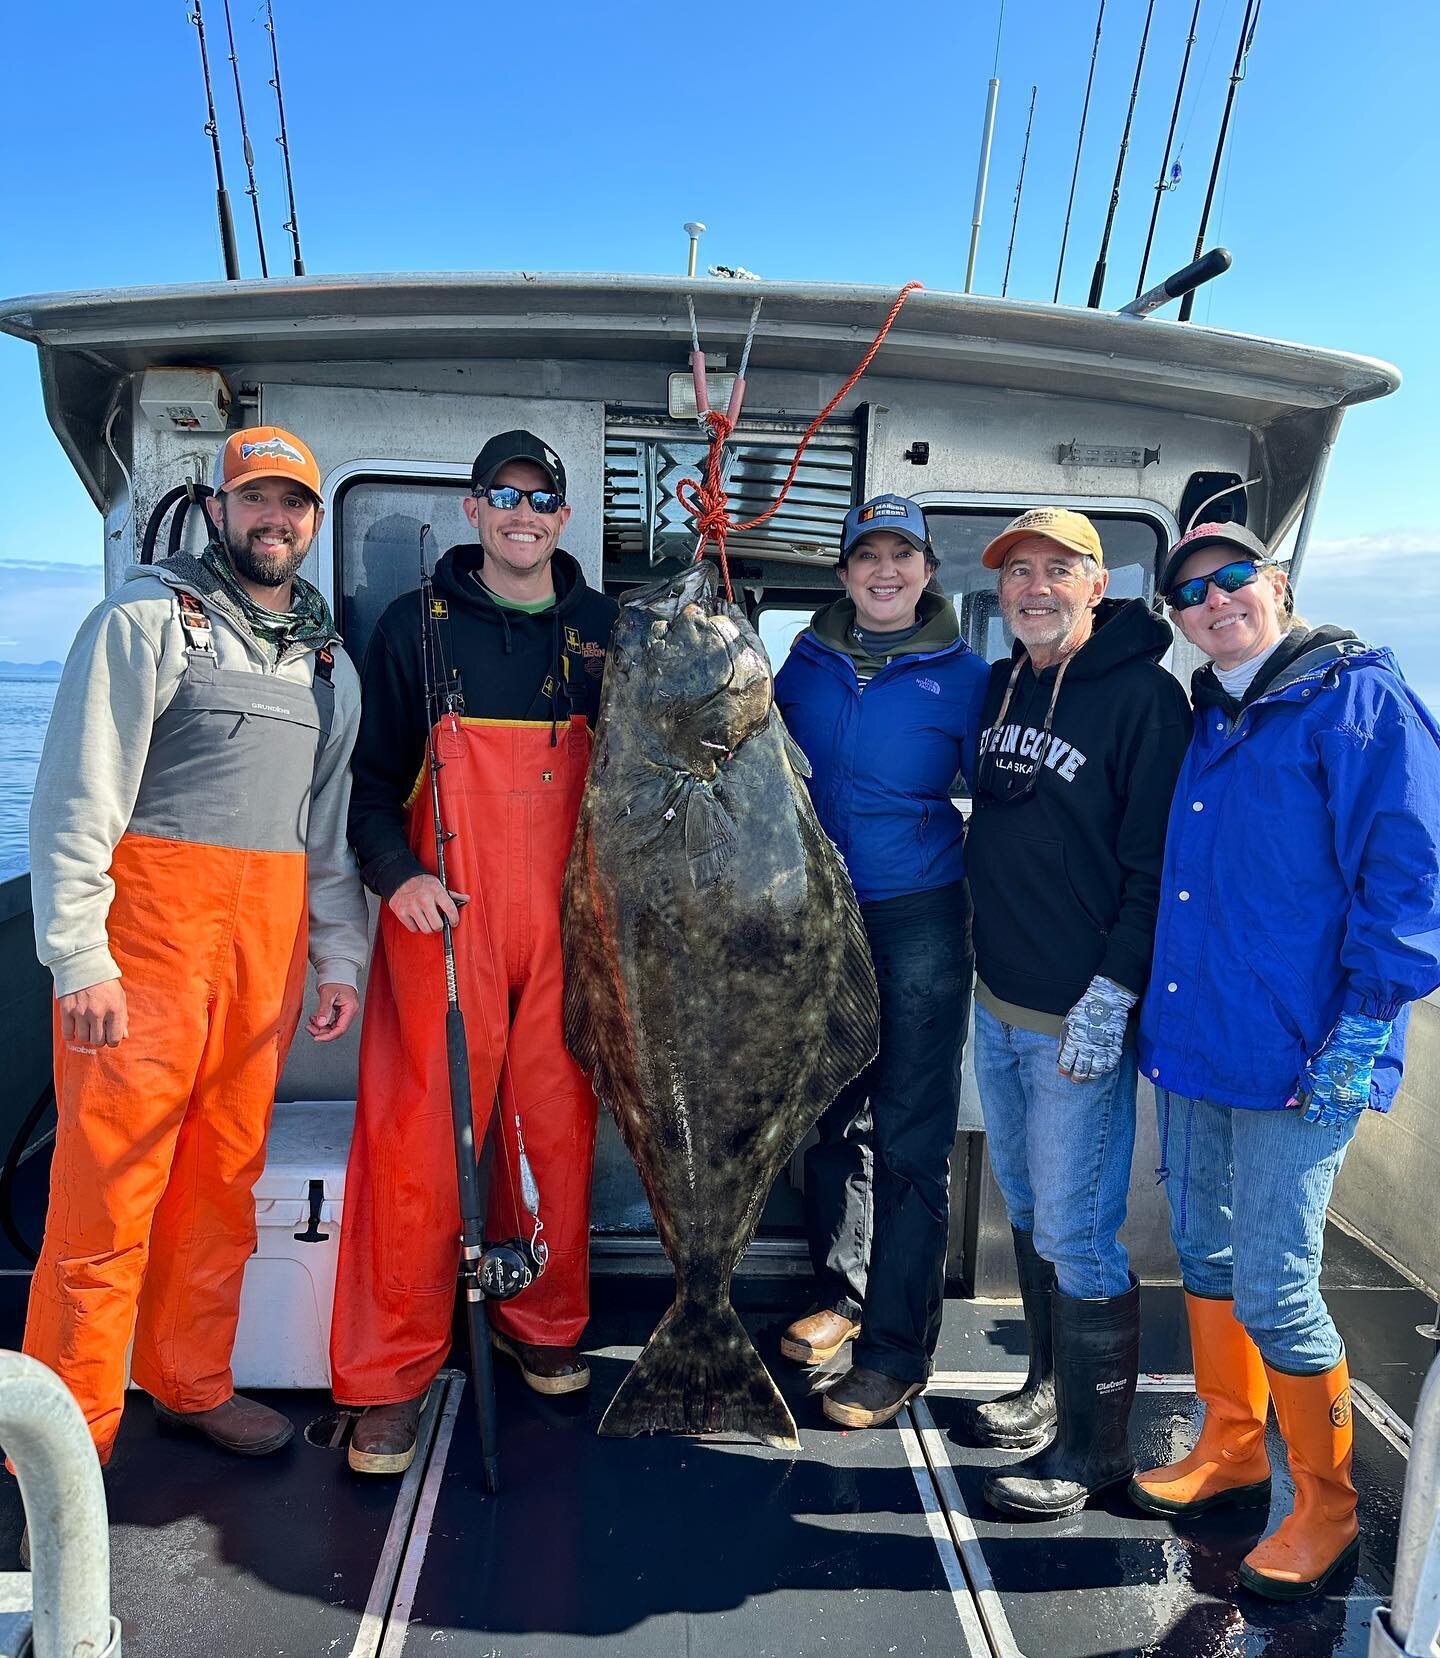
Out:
{"x": 1229, "y": 578}
{"x": 505, "y": 498}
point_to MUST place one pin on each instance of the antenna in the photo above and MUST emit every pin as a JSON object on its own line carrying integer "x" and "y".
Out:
{"x": 1097, "y": 281}
{"x": 983, "y": 172}
{"x": 1237, "y": 74}
{"x": 1161, "y": 186}
{"x": 292, "y": 224}
{"x": 1015, "y": 220}
{"x": 694, "y": 230}
{"x": 1079, "y": 145}
{"x": 250, "y": 188}
{"x": 212, "y": 130}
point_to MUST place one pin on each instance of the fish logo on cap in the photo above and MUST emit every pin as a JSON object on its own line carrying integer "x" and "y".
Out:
{"x": 271, "y": 446}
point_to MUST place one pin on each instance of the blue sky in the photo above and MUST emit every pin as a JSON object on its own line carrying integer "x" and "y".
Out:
{"x": 825, "y": 141}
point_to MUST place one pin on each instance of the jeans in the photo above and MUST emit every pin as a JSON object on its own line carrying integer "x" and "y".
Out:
{"x": 1248, "y": 1192}
{"x": 877, "y": 1185}
{"x": 1061, "y": 1153}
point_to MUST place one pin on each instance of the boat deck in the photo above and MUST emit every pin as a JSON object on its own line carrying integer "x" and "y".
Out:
{"x": 863, "y": 1543}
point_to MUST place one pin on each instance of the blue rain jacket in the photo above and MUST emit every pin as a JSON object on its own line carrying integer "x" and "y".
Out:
{"x": 1302, "y": 880}
{"x": 884, "y": 758}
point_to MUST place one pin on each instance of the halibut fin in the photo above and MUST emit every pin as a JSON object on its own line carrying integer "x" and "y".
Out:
{"x": 700, "y": 1373}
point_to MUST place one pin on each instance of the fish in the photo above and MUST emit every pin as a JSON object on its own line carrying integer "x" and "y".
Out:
{"x": 719, "y": 986}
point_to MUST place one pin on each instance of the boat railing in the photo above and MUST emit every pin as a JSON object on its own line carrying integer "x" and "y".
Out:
{"x": 1410, "y": 1626}
{"x": 50, "y": 1449}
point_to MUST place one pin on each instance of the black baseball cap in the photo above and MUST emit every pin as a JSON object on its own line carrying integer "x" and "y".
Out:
{"x": 518, "y": 445}
{"x": 1201, "y": 536}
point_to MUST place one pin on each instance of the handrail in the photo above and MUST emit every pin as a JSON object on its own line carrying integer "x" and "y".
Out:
{"x": 45, "y": 1437}
{"x": 1410, "y": 1625}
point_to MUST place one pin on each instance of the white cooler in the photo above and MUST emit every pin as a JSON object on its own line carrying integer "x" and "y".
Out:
{"x": 284, "y": 1335}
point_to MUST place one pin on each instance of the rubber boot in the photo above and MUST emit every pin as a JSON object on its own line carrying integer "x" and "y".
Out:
{"x": 1026, "y": 1418}
{"x": 1229, "y": 1464}
{"x": 1321, "y": 1534}
{"x": 1097, "y": 1359}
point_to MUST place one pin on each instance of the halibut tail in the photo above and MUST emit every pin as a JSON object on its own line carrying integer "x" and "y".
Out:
{"x": 700, "y": 1374}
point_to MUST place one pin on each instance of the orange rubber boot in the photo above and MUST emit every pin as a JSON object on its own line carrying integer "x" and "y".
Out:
{"x": 1229, "y": 1464}
{"x": 1322, "y": 1534}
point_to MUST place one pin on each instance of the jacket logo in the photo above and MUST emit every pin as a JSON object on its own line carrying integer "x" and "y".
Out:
{"x": 440, "y": 610}
{"x": 572, "y": 639}
{"x": 1025, "y": 742}
{"x": 929, "y": 685}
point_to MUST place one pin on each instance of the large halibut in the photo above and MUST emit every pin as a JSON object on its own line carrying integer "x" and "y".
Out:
{"x": 718, "y": 982}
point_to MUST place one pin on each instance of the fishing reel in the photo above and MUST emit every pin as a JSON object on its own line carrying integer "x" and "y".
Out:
{"x": 505, "y": 1269}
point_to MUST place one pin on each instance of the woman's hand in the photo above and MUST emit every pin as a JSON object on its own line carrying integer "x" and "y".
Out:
{"x": 1335, "y": 1084}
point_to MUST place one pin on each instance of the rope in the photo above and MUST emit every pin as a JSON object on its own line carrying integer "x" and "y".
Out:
{"x": 707, "y": 501}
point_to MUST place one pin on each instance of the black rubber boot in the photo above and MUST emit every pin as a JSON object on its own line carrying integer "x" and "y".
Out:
{"x": 1022, "y": 1420}
{"x": 1097, "y": 1357}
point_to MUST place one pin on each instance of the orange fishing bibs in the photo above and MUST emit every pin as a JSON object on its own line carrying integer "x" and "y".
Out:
{"x": 160, "y": 1141}
{"x": 511, "y": 801}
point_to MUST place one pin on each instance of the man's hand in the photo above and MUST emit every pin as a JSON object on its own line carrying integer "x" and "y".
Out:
{"x": 1335, "y": 1084}
{"x": 95, "y": 1017}
{"x": 423, "y": 905}
{"x": 339, "y": 1003}
{"x": 1094, "y": 1034}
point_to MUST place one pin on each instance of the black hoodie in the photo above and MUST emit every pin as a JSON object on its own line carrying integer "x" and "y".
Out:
{"x": 1066, "y": 883}
{"x": 512, "y": 665}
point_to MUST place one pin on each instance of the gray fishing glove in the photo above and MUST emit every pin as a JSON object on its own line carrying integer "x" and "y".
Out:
{"x": 1094, "y": 1034}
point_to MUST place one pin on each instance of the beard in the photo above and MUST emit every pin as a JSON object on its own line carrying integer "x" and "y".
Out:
{"x": 252, "y": 562}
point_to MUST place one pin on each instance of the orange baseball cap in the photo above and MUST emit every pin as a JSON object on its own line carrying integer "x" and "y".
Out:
{"x": 1071, "y": 530}
{"x": 265, "y": 452}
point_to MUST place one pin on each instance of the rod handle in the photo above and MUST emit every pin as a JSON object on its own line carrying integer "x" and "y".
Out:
{"x": 1205, "y": 269}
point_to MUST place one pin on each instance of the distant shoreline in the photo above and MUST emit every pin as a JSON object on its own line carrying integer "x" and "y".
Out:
{"x": 30, "y": 670}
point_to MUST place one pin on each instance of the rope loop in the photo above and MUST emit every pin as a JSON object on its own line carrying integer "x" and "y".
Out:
{"x": 707, "y": 502}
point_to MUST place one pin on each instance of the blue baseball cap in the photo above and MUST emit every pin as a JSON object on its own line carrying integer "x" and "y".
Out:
{"x": 893, "y": 513}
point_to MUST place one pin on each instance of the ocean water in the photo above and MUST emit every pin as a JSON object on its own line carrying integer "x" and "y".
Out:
{"x": 24, "y": 714}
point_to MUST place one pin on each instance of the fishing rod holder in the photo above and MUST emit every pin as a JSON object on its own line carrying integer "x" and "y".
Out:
{"x": 1205, "y": 269}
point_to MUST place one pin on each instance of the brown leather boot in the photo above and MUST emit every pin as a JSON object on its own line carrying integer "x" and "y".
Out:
{"x": 818, "y": 1336}
{"x": 545, "y": 1369}
{"x": 1229, "y": 1464}
{"x": 383, "y": 1440}
{"x": 865, "y": 1398}
{"x": 242, "y": 1426}
{"x": 1321, "y": 1534}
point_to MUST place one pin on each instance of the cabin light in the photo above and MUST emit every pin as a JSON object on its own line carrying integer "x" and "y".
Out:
{"x": 682, "y": 393}
{"x": 185, "y": 399}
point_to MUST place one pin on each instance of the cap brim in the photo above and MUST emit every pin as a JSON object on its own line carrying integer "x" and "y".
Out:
{"x": 918, "y": 542}
{"x": 994, "y": 555}
{"x": 1177, "y": 560}
{"x": 250, "y": 478}
{"x": 487, "y": 477}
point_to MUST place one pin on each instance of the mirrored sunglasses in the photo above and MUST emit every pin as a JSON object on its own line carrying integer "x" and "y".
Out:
{"x": 505, "y": 498}
{"x": 1229, "y": 578}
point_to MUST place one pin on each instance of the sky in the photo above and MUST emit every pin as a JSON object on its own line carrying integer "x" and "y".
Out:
{"x": 818, "y": 141}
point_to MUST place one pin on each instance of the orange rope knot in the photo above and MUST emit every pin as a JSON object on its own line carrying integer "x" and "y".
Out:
{"x": 707, "y": 501}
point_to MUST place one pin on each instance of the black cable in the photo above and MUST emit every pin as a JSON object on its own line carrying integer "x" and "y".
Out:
{"x": 8, "y": 1224}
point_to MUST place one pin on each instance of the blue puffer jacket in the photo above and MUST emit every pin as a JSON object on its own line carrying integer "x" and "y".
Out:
{"x": 884, "y": 756}
{"x": 1302, "y": 877}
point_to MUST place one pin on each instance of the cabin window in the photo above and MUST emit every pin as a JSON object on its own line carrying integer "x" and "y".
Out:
{"x": 377, "y": 542}
{"x": 1132, "y": 544}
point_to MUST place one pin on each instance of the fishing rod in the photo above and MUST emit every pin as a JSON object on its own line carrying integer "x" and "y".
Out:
{"x": 1162, "y": 184}
{"x": 469, "y": 1173}
{"x": 1237, "y": 74}
{"x": 501, "y": 1271}
{"x": 1020, "y": 185}
{"x": 1097, "y": 281}
{"x": 212, "y": 129}
{"x": 983, "y": 170}
{"x": 251, "y": 189}
{"x": 1079, "y": 145}
{"x": 292, "y": 224}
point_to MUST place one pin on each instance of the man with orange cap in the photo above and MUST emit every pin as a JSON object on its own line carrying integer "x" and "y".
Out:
{"x": 187, "y": 841}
